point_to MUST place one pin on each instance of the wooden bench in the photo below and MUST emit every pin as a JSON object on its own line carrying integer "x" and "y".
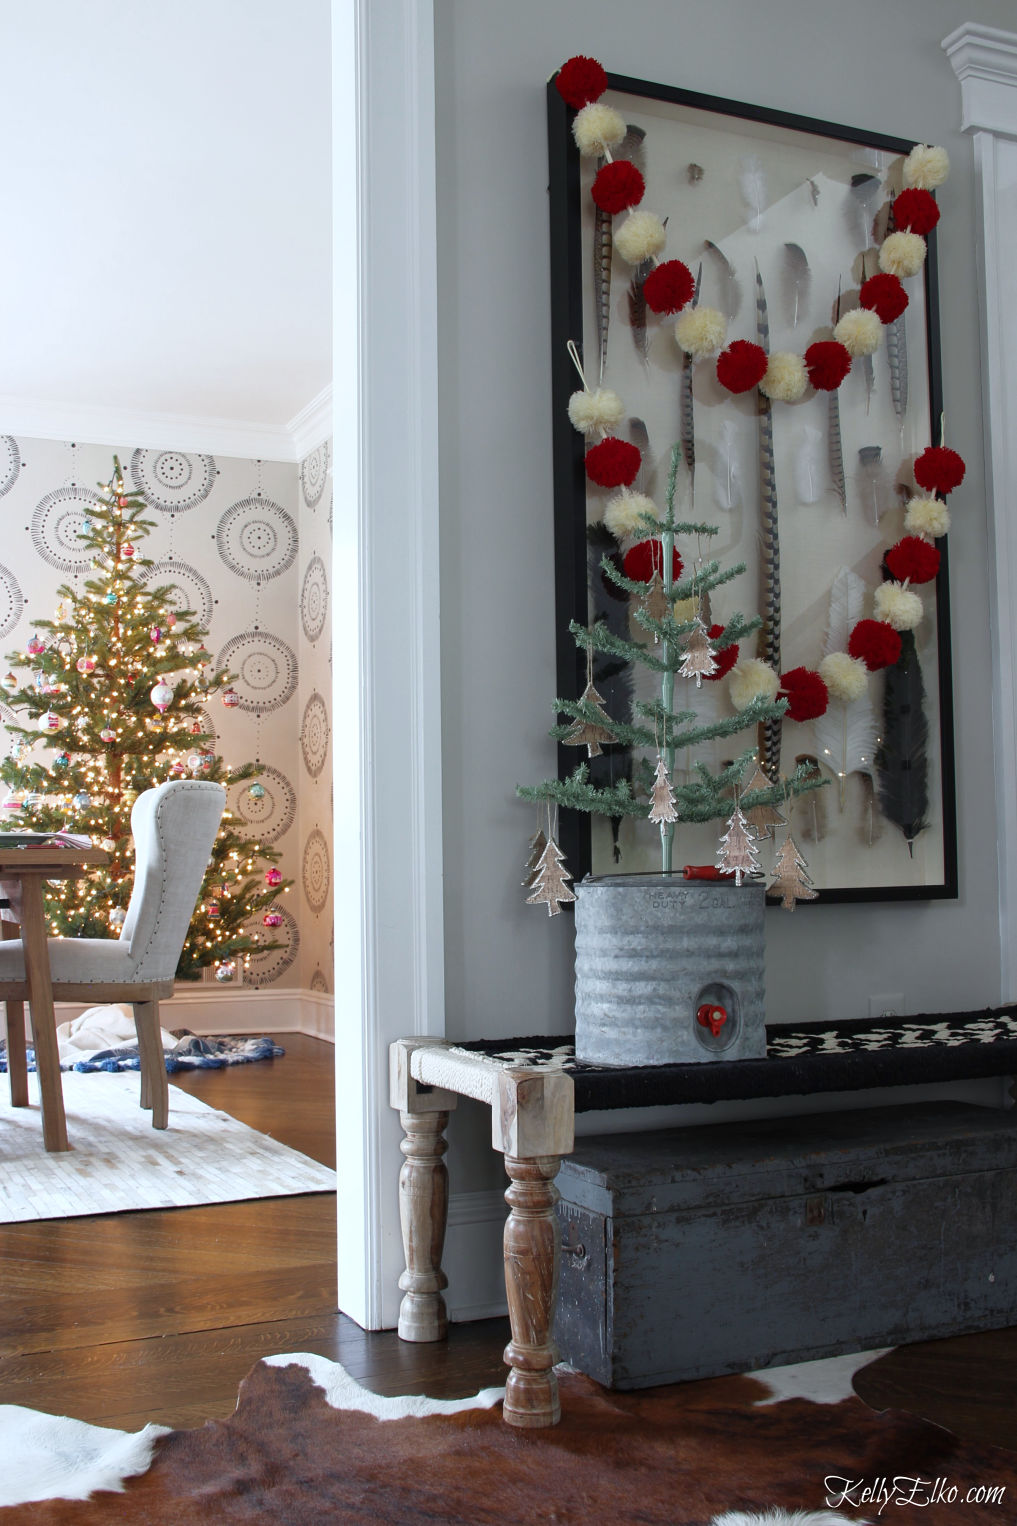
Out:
{"x": 534, "y": 1087}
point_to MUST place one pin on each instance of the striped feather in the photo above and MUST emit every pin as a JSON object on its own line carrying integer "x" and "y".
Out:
{"x": 769, "y": 562}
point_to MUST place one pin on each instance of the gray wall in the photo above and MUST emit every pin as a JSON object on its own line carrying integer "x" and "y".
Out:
{"x": 874, "y": 63}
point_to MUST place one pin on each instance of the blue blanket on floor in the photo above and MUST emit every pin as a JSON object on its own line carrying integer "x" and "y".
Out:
{"x": 189, "y": 1053}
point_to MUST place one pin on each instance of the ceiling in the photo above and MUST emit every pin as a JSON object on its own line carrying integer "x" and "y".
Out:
{"x": 165, "y": 233}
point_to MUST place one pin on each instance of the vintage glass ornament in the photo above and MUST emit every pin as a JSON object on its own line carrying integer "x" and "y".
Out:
{"x": 13, "y": 803}
{"x": 50, "y": 721}
{"x": 213, "y": 909}
{"x": 85, "y": 664}
{"x": 117, "y": 917}
{"x": 82, "y": 800}
{"x": 110, "y": 598}
{"x": 155, "y": 633}
{"x": 10, "y": 682}
{"x": 273, "y": 876}
{"x": 176, "y": 769}
{"x": 225, "y": 972}
{"x": 272, "y": 919}
{"x": 85, "y": 528}
{"x": 127, "y": 551}
{"x": 107, "y": 845}
{"x": 256, "y": 791}
{"x": 161, "y": 697}
{"x": 34, "y": 646}
{"x": 195, "y": 728}
{"x": 61, "y": 760}
{"x": 107, "y": 734}
{"x": 194, "y": 761}
{"x": 207, "y": 759}
{"x": 230, "y": 698}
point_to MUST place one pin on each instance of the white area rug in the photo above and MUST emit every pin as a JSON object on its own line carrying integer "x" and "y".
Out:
{"x": 117, "y": 1161}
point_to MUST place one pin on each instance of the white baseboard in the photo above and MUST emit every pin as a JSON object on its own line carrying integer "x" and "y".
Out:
{"x": 473, "y": 1259}
{"x": 245, "y": 1009}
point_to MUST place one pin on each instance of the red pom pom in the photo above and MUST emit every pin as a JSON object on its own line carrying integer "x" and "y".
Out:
{"x": 646, "y": 560}
{"x": 875, "y": 643}
{"x": 669, "y": 287}
{"x": 741, "y": 366}
{"x": 580, "y": 81}
{"x": 884, "y": 295}
{"x": 939, "y": 469}
{"x": 613, "y": 463}
{"x": 726, "y": 656}
{"x": 913, "y": 558}
{"x": 916, "y": 211}
{"x": 618, "y": 185}
{"x": 806, "y": 694}
{"x": 827, "y": 363}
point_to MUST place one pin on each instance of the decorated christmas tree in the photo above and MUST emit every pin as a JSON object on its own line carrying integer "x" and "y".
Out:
{"x": 119, "y": 680}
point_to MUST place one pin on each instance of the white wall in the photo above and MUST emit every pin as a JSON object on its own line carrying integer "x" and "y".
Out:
{"x": 508, "y": 968}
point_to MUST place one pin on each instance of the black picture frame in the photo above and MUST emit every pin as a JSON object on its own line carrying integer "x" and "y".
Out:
{"x": 568, "y": 252}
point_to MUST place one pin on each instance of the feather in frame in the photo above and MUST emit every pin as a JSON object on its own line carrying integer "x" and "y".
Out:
{"x": 872, "y": 482}
{"x": 729, "y": 299}
{"x": 727, "y": 474}
{"x": 846, "y": 735}
{"x": 769, "y": 531}
{"x": 902, "y": 760}
{"x": 797, "y": 282}
{"x": 752, "y": 182}
{"x": 847, "y": 606}
{"x": 808, "y": 464}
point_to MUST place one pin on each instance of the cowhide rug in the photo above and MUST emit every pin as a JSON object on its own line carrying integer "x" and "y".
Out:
{"x": 308, "y": 1446}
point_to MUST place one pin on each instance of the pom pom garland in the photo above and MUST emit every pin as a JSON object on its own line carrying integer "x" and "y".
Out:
{"x": 859, "y": 331}
{"x": 926, "y": 167}
{"x": 875, "y": 643}
{"x": 593, "y": 411}
{"x": 751, "y": 680}
{"x": 898, "y": 606}
{"x": 902, "y": 254}
{"x": 742, "y": 366}
{"x": 885, "y": 296}
{"x": 618, "y": 185}
{"x": 724, "y": 656}
{"x": 701, "y": 332}
{"x": 786, "y": 378}
{"x": 927, "y": 516}
{"x": 913, "y": 560}
{"x": 939, "y": 469}
{"x": 827, "y": 363}
{"x": 580, "y": 80}
{"x": 806, "y": 694}
{"x": 645, "y": 560}
{"x": 916, "y": 211}
{"x": 613, "y": 463}
{"x": 640, "y": 237}
{"x": 669, "y": 287}
{"x": 846, "y": 678}
{"x": 598, "y": 128}
{"x": 626, "y": 514}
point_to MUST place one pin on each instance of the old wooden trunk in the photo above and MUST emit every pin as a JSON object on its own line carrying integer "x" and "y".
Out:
{"x": 692, "y": 1252}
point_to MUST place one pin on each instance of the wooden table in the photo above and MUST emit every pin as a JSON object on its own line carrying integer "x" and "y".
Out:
{"x": 29, "y": 867}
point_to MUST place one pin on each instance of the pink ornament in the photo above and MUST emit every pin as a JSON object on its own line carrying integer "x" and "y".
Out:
{"x": 161, "y": 697}
{"x": 156, "y": 634}
{"x": 176, "y": 769}
{"x": 50, "y": 721}
{"x": 272, "y": 919}
{"x": 213, "y": 909}
{"x": 35, "y": 646}
{"x": 107, "y": 734}
{"x": 13, "y": 803}
{"x": 127, "y": 551}
{"x": 85, "y": 664}
{"x": 273, "y": 877}
{"x": 230, "y": 698}
{"x": 171, "y": 619}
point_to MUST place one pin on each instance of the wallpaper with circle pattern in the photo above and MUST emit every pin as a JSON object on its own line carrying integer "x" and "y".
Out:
{"x": 245, "y": 545}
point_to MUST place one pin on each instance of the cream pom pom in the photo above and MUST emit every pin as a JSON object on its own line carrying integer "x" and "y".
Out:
{"x": 847, "y": 678}
{"x": 902, "y": 254}
{"x": 898, "y": 606}
{"x": 598, "y": 127}
{"x": 926, "y": 167}
{"x": 626, "y": 514}
{"x": 786, "y": 378}
{"x": 859, "y": 331}
{"x": 590, "y": 411}
{"x": 686, "y": 610}
{"x": 927, "y": 516}
{"x": 701, "y": 331}
{"x": 640, "y": 237}
{"x": 749, "y": 680}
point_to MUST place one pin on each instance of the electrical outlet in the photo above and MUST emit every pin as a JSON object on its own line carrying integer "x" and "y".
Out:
{"x": 889, "y": 1005}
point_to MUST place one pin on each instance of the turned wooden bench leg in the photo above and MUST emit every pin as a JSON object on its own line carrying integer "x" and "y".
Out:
{"x": 532, "y": 1252}
{"x": 423, "y": 1214}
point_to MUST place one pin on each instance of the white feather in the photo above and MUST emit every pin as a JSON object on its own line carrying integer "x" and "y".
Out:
{"x": 727, "y": 475}
{"x": 810, "y": 475}
{"x": 847, "y": 605}
{"x": 846, "y": 738}
{"x": 752, "y": 180}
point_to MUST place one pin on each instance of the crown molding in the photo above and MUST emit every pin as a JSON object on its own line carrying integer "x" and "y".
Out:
{"x": 37, "y": 419}
{"x": 312, "y": 424}
{"x": 984, "y": 59}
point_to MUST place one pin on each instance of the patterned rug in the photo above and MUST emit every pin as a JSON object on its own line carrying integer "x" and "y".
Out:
{"x": 117, "y": 1161}
{"x": 307, "y": 1445}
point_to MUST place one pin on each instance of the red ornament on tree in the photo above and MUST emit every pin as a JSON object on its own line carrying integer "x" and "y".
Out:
{"x": 618, "y": 185}
{"x": 875, "y": 643}
{"x": 806, "y": 694}
{"x": 725, "y": 656}
{"x": 827, "y": 363}
{"x": 273, "y": 876}
{"x": 580, "y": 80}
{"x": 645, "y": 560}
{"x": 939, "y": 469}
{"x": 213, "y": 909}
{"x": 230, "y": 698}
{"x": 272, "y": 919}
{"x": 913, "y": 558}
{"x": 742, "y": 365}
{"x": 613, "y": 463}
{"x": 669, "y": 287}
{"x": 916, "y": 211}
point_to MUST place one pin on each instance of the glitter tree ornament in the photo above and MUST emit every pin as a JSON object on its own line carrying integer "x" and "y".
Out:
{"x": 762, "y": 818}
{"x": 550, "y": 885}
{"x": 662, "y": 801}
{"x": 699, "y": 661}
{"x": 590, "y": 733}
{"x": 790, "y": 876}
{"x": 537, "y": 844}
{"x": 738, "y": 854}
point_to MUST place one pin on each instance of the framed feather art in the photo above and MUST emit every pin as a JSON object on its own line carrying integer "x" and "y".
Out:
{"x": 759, "y": 288}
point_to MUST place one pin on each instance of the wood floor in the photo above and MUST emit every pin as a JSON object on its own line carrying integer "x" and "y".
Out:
{"x": 158, "y": 1316}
